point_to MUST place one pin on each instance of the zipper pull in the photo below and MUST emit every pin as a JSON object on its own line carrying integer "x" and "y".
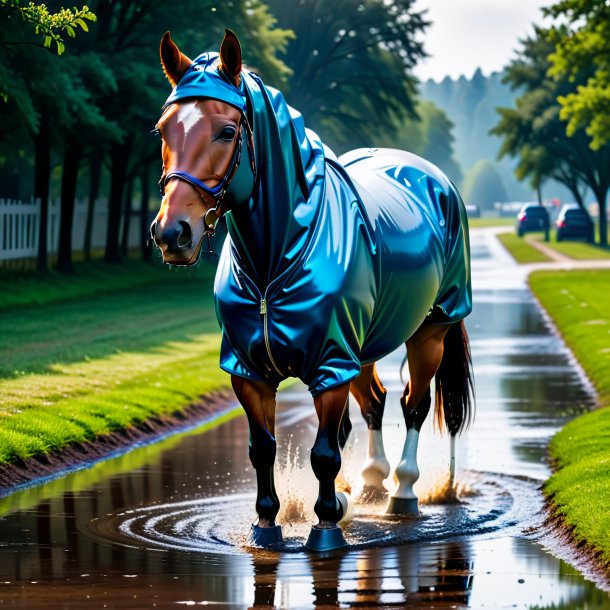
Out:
{"x": 263, "y": 307}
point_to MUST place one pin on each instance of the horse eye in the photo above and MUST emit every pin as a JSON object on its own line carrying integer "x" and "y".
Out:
{"x": 227, "y": 134}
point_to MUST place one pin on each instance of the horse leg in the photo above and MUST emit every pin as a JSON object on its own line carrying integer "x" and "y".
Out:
{"x": 425, "y": 352}
{"x": 258, "y": 400}
{"x": 370, "y": 395}
{"x": 330, "y": 507}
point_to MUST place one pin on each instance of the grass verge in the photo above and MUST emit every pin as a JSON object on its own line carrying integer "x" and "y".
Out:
{"x": 521, "y": 250}
{"x": 580, "y": 488}
{"x": 578, "y": 250}
{"x": 30, "y": 288}
{"x": 495, "y": 221}
{"x": 100, "y": 351}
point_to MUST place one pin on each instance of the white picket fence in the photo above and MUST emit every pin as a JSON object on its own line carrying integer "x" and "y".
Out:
{"x": 20, "y": 221}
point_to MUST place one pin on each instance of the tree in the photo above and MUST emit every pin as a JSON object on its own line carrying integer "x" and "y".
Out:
{"x": 533, "y": 131}
{"x": 438, "y": 140}
{"x": 429, "y": 136}
{"x": 582, "y": 46}
{"x": 483, "y": 185}
{"x": 351, "y": 63}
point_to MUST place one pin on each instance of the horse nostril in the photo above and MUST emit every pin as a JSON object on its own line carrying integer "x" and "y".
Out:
{"x": 185, "y": 239}
{"x": 153, "y": 233}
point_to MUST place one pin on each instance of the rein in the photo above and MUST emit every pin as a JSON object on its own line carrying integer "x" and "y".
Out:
{"x": 217, "y": 192}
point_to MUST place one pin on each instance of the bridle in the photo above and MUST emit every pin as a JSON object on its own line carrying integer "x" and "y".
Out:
{"x": 217, "y": 192}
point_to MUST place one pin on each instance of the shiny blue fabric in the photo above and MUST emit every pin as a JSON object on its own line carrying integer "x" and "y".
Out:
{"x": 203, "y": 78}
{"x": 350, "y": 256}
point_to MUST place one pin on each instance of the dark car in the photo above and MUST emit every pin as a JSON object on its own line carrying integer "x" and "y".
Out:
{"x": 473, "y": 210}
{"x": 533, "y": 218}
{"x": 573, "y": 222}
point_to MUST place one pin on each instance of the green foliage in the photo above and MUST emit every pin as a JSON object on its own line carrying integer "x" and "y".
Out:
{"x": 470, "y": 104}
{"x": 582, "y": 47}
{"x": 580, "y": 489}
{"x": 429, "y": 136}
{"x": 438, "y": 140}
{"x": 49, "y": 26}
{"x": 521, "y": 249}
{"x": 533, "y": 131}
{"x": 351, "y": 65}
{"x": 120, "y": 345}
{"x": 483, "y": 185}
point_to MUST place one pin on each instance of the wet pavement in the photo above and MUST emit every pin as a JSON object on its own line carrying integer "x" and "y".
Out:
{"x": 164, "y": 525}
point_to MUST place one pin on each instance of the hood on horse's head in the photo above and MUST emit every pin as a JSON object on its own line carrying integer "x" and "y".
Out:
{"x": 204, "y": 78}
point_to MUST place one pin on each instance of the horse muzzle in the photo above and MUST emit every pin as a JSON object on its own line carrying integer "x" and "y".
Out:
{"x": 179, "y": 242}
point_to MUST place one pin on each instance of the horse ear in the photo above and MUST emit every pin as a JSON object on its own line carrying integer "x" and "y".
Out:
{"x": 230, "y": 57}
{"x": 174, "y": 62}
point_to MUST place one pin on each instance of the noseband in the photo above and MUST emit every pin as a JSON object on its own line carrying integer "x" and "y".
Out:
{"x": 217, "y": 192}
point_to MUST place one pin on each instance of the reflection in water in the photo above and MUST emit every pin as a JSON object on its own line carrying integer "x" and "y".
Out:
{"x": 65, "y": 544}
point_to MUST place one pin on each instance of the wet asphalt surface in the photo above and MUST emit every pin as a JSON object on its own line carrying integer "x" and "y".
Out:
{"x": 165, "y": 524}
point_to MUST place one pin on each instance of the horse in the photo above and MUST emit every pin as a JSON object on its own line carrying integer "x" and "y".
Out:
{"x": 329, "y": 265}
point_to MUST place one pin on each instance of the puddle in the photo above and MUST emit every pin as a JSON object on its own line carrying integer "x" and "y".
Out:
{"x": 165, "y": 525}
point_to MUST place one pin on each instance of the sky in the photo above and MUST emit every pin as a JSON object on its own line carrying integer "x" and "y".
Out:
{"x": 466, "y": 34}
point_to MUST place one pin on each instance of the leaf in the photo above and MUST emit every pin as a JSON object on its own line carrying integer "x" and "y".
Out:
{"x": 70, "y": 31}
{"x": 82, "y": 24}
{"x": 47, "y": 42}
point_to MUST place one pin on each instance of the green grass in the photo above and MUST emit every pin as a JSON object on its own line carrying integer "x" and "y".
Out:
{"x": 580, "y": 489}
{"x": 101, "y": 471}
{"x": 578, "y": 250}
{"x": 100, "y": 351}
{"x": 26, "y": 287}
{"x": 521, "y": 250}
{"x": 496, "y": 221}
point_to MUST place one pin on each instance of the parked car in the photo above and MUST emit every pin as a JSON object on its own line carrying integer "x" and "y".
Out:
{"x": 574, "y": 222}
{"x": 473, "y": 210}
{"x": 532, "y": 218}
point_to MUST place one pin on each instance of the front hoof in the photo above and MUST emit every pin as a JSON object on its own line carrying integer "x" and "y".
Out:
{"x": 406, "y": 507}
{"x": 323, "y": 539}
{"x": 265, "y": 537}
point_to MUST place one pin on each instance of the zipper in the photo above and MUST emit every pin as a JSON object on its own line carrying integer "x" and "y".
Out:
{"x": 263, "y": 312}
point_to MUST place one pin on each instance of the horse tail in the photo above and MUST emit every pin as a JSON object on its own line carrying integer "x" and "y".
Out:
{"x": 454, "y": 400}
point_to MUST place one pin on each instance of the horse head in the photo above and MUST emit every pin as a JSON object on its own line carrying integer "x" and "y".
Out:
{"x": 205, "y": 132}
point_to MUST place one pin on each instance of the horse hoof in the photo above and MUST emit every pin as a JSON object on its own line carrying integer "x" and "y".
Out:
{"x": 265, "y": 537}
{"x": 403, "y": 506}
{"x": 325, "y": 539}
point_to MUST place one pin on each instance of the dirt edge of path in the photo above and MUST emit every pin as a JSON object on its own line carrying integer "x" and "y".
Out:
{"x": 76, "y": 455}
{"x": 558, "y": 536}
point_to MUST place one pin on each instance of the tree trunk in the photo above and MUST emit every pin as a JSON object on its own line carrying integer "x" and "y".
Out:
{"x": 144, "y": 228}
{"x": 127, "y": 219}
{"x": 95, "y": 175}
{"x": 69, "y": 176}
{"x": 603, "y": 220}
{"x": 118, "y": 171}
{"x": 42, "y": 175}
